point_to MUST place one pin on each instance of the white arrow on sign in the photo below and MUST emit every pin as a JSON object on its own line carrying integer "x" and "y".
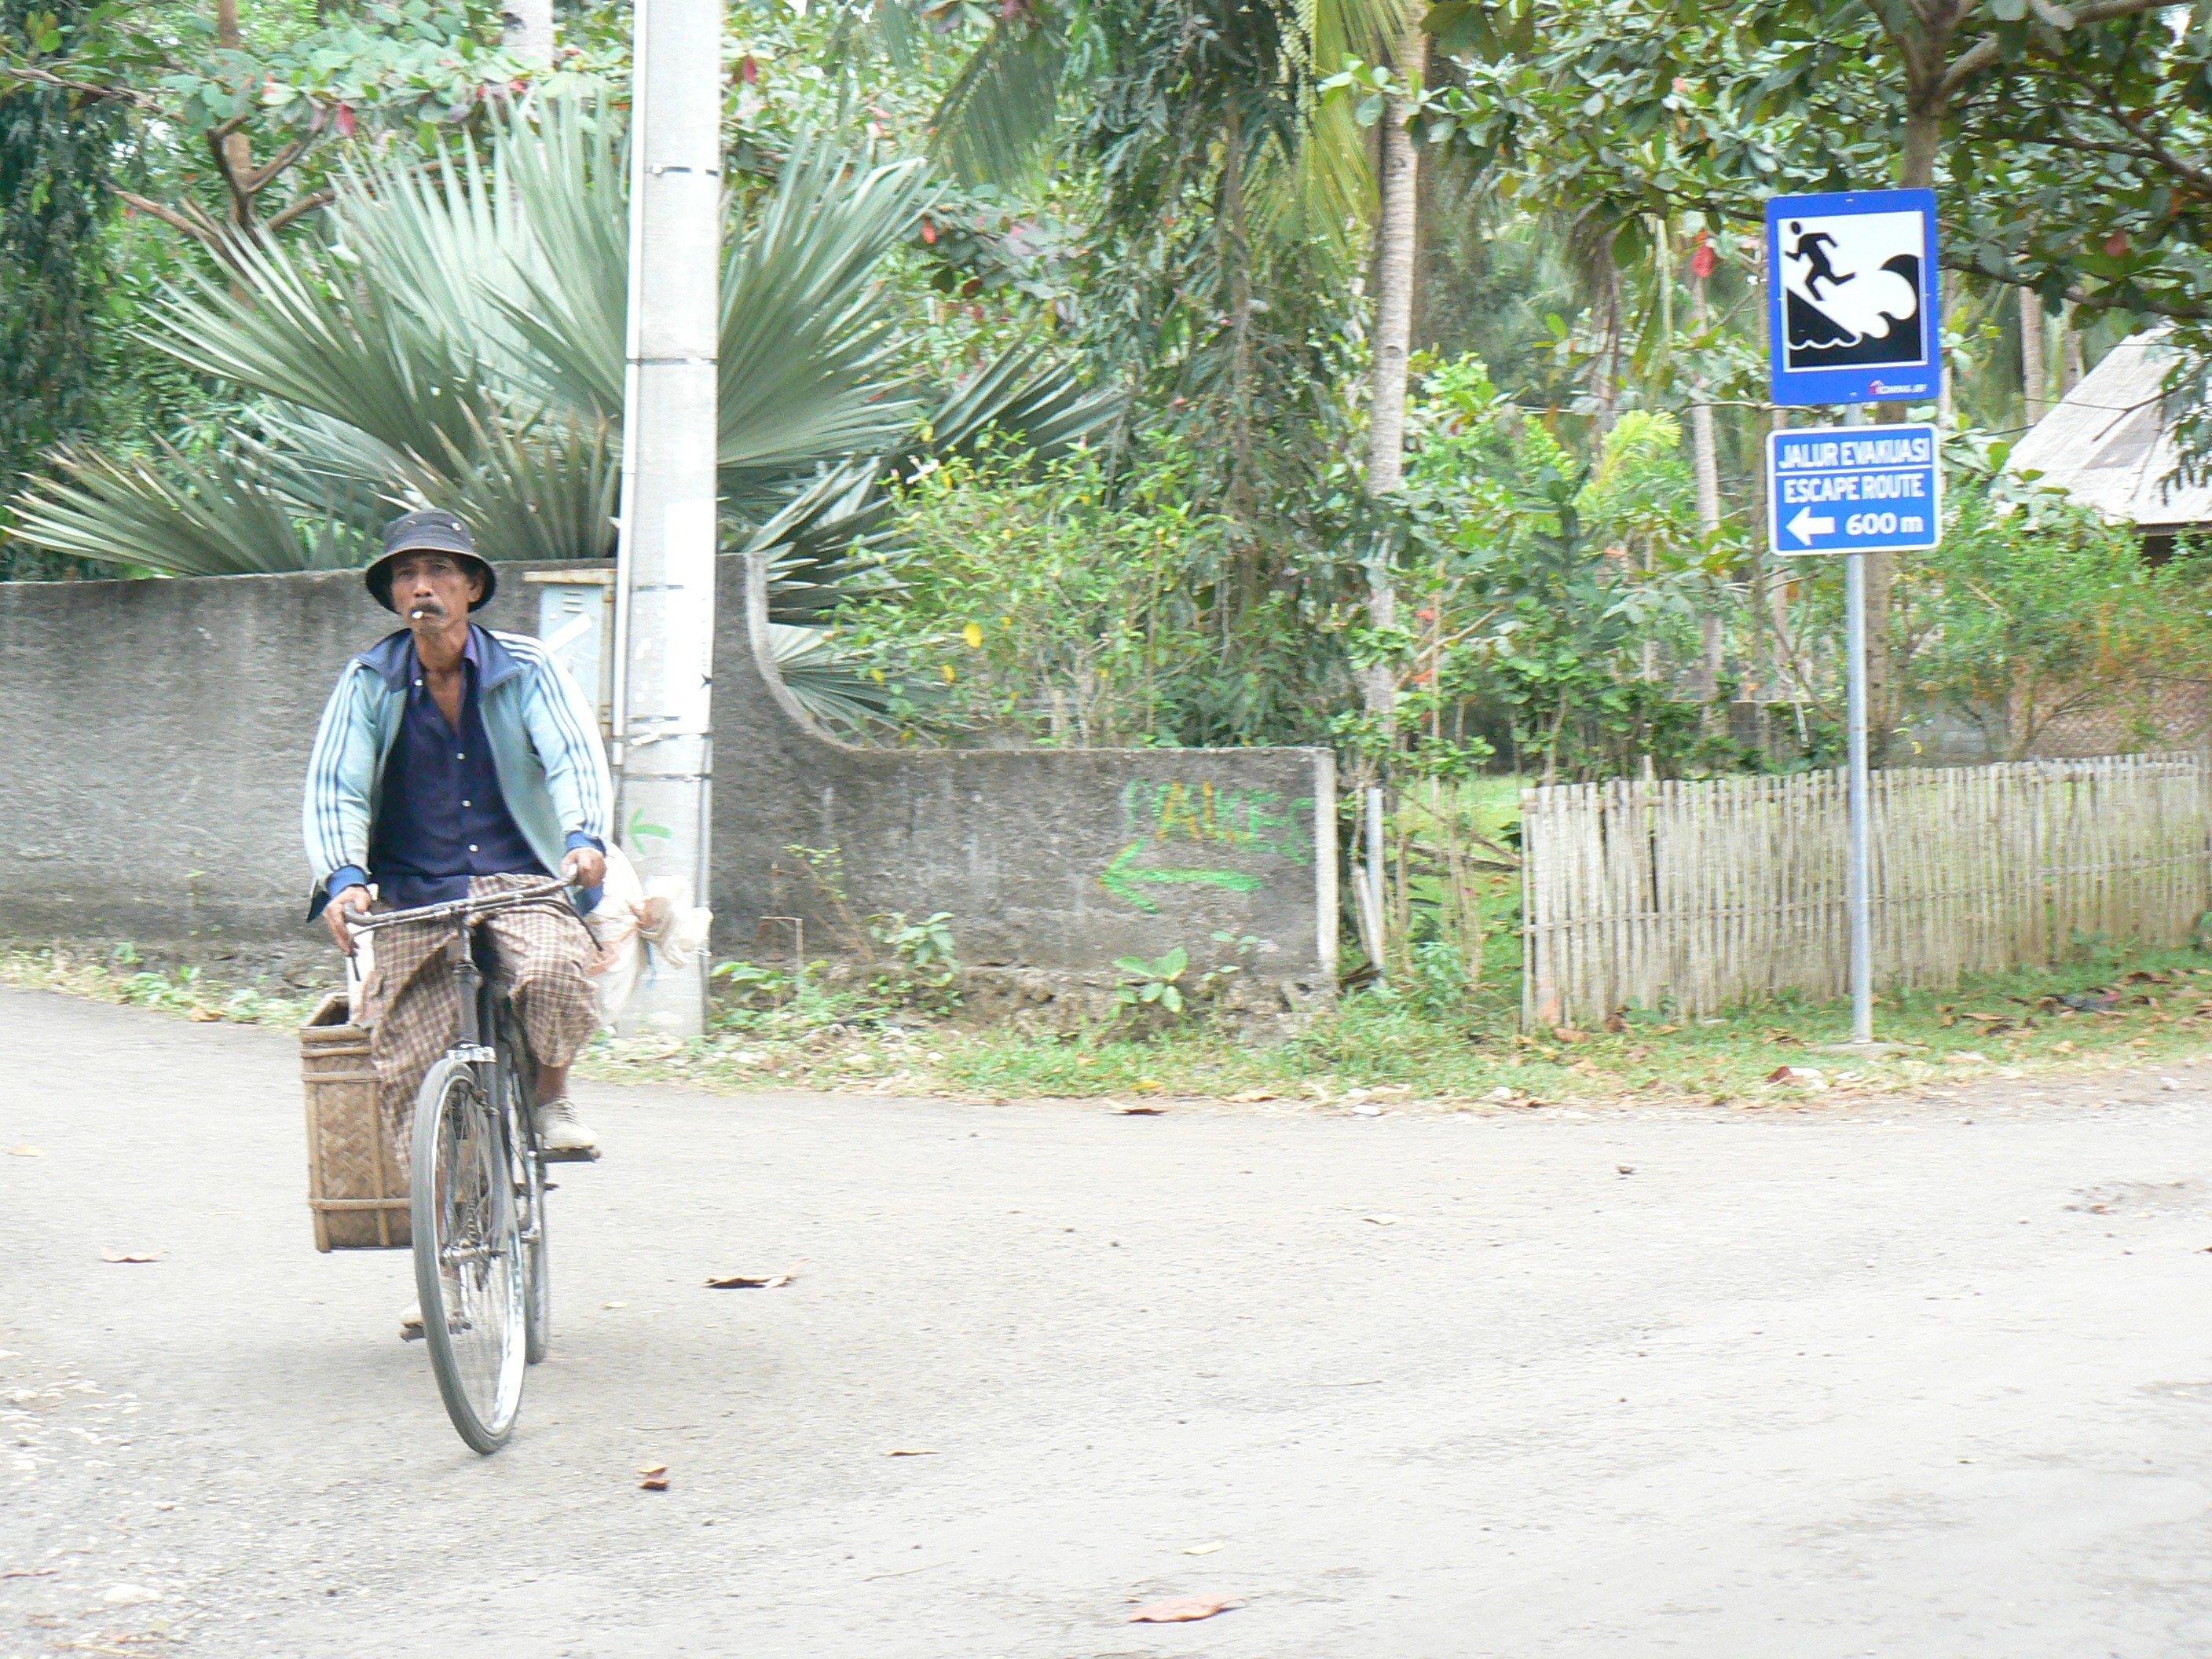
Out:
{"x": 1805, "y": 527}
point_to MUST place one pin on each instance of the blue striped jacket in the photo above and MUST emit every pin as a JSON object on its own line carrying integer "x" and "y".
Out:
{"x": 544, "y": 745}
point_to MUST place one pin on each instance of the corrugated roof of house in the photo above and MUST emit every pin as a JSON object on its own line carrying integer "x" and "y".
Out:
{"x": 2107, "y": 442}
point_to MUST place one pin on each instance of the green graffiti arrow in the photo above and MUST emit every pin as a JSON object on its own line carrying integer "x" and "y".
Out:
{"x": 1120, "y": 879}
{"x": 638, "y": 827}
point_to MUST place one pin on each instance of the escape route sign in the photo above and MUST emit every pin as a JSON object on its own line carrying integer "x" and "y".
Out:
{"x": 1854, "y": 489}
{"x": 1853, "y": 316}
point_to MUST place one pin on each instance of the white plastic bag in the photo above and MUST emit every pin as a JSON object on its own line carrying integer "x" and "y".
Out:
{"x": 632, "y": 914}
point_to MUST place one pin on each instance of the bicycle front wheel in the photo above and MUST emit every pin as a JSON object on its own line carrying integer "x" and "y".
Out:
{"x": 468, "y": 1254}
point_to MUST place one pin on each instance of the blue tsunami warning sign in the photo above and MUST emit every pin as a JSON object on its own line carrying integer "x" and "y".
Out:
{"x": 1854, "y": 489}
{"x": 1852, "y": 299}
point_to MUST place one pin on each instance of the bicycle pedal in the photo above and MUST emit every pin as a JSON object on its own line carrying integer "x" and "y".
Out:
{"x": 589, "y": 1155}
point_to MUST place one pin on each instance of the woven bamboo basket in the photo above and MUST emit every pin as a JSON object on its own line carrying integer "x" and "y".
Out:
{"x": 356, "y": 1187}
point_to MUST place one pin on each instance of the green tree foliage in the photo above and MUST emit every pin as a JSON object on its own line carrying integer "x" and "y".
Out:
{"x": 56, "y": 148}
{"x": 2033, "y": 611}
{"x": 1073, "y": 605}
{"x": 240, "y": 110}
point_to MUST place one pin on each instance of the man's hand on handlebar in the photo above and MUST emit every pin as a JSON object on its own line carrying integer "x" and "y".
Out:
{"x": 354, "y": 899}
{"x": 585, "y": 867}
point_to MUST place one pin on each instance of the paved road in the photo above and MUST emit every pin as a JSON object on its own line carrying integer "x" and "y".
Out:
{"x": 1865, "y": 1381}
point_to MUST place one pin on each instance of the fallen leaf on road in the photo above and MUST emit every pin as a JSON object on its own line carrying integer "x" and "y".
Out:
{"x": 130, "y": 1255}
{"x": 129, "y": 1596}
{"x": 656, "y": 1478}
{"x": 912, "y": 1452}
{"x": 1251, "y": 1096}
{"x": 1143, "y": 1111}
{"x": 1625, "y": 1169}
{"x": 1203, "y": 1549}
{"x": 1965, "y": 1057}
{"x": 2064, "y": 1046}
{"x": 1804, "y": 1076}
{"x": 1382, "y": 1220}
{"x": 205, "y": 1016}
{"x": 747, "y": 1281}
{"x": 1367, "y": 1109}
{"x": 33, "y": 1572}
{"x": 1183, "y": 1609}
{"x": 25, "y": 1152}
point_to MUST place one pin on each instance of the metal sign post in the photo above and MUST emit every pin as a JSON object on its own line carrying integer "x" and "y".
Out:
{"x": 1858, "y": 887}
{"x": 1854, "y": 317}
{"x": 1855, "y": 489}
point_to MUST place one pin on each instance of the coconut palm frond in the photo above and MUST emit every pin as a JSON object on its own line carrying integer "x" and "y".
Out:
{"x": 994, "y": 120}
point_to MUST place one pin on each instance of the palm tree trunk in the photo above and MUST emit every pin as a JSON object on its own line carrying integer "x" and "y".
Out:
{"x": 529, "y": 29}
{"x": 1396, "y": 245}
{"x": 1396, "y": 238}
{"x": 1705, "y": 463}
{"x": 2034, "y": 384}
{"x": 1604, "y": 369}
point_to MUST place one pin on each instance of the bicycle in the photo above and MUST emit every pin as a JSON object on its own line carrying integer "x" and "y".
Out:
{"x": 476, "y": 1193}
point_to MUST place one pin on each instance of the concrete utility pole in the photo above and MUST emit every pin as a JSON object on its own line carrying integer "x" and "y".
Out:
{"x": 664, "y": 615}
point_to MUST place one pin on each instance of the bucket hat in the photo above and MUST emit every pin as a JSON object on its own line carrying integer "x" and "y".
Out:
{"x": 431, "y": 531}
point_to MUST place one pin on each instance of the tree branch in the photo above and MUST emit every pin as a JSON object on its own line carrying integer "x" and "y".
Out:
{"x": 218, "y": 146}
{"x": 2082, "y": 296}
{"x": 259, "y": 179}
{"x": 305, "y": 205}
{"x": 1986, "y": 51}
{"x": 90, "y": 89}
{"x": 201, "y": 229}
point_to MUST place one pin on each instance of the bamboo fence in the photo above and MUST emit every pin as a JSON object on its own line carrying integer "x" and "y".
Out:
{"x": 1695, "y": 896}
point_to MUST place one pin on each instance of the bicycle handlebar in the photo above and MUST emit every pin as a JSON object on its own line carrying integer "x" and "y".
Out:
{"x": 370, "y": 921}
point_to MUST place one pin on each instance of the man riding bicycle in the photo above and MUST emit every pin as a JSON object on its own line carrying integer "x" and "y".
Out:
{"x": 454, "y": 762}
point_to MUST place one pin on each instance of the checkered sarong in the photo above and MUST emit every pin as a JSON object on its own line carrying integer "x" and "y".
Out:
{"x": 413, "y": 1005}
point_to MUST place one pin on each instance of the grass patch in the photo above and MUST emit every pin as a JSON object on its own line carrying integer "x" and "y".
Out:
{"x": 1387, "y": 1047}
{"x": 119, "y": 976}
{"x": 780, "y": 1033}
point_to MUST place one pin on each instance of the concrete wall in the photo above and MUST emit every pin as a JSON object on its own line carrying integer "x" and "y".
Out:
{"x": 1055, "y": 859}
{"x": 155, "y": 733}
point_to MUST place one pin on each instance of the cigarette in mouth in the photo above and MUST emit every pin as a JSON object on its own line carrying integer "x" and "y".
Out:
{"x": 415, "y": 615}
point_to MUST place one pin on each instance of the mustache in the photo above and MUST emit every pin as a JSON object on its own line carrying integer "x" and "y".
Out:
{"x": 427, "y": 608}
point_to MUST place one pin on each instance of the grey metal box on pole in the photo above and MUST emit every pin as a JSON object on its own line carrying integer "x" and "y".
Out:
{"x": 664, "y": 617}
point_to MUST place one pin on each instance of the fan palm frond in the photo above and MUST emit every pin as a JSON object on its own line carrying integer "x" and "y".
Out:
{"x": 340, "y": 347}
{"x": 181, "y": 517}
{"x": 814, "y": 671}
{"x": 815, "y": 546}
{"x": 1027, "y": 396}
{"x": 807, "y": 331}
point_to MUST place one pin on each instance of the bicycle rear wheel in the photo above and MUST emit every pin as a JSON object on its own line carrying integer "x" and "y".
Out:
{"x": 468, "y": 1254}
{"x": 516, "y": 1079}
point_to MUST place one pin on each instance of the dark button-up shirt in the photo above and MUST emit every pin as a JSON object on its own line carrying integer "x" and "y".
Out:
{"x": 440, "y": 817}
